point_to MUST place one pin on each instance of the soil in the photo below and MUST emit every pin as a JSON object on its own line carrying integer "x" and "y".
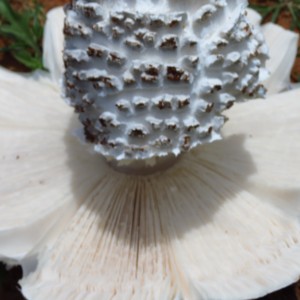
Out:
{"x": 289, "y": 293}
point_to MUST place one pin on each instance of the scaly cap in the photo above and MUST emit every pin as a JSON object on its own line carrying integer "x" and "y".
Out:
{"x": 150, "y": 80}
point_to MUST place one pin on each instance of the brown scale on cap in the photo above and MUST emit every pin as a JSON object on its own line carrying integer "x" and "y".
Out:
{"x": 177, "y": 74}
{"x": 76, "y": 29}
{"x": 138, "y": 132}
{"x": 129, "y": 80}
{"x": 182, "y": 103}
{"x": 123, "y": 105}
{"x": 162, "y": 141}
{"x": 117, "y": 32}
{"x": 156, "y": 21}
{"x": 90, "y": 10}
{"x": 210, "y": 108}
{"x": 141, "y": 103}
{"x": 89, "y": 131}
{"x": 169, "y": 43}
{"x": 133, "y": 44}
{"x": 163, "y": 104}
{"x": 172, "y": 124}
{"x": 186, "y": 144}
{"x": 108, "y": 120}
{"x": 116, "y": 59}
{"x": 117, "y": 18}
{"x": 96, "y": 50}
{"x": 149, "y": 38}
{"x": 108, "y": 81}
{"x": 149, "y": 78}
{"x": 192, "y": 127}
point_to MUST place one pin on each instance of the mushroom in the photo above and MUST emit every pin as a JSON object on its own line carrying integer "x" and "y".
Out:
{"x": 220, "y": 221}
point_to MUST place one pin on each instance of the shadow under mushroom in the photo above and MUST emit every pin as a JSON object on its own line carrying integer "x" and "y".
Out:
{"x": 186, "y": 191}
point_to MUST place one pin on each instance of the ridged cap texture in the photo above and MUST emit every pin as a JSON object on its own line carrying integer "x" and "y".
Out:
{"x": 151, "y": 78}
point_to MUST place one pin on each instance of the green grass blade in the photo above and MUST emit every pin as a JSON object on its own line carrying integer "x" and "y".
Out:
{"x": 24, "y": 31}
{"x": 27, "y": 59}
{"x": 276, "y": 13}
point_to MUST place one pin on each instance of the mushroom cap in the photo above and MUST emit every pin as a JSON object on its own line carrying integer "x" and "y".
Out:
{"x": 151, "y": 80}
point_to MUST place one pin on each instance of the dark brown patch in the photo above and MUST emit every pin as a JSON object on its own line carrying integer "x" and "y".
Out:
{"x": 169, "y": 43}
{"x": 174, "y": 74}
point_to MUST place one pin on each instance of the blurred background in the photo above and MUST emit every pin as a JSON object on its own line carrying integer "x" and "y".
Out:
{"x": 21, "y": 32}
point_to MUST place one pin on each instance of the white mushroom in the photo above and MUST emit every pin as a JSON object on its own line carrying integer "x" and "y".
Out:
{"x": 221, "y": 223}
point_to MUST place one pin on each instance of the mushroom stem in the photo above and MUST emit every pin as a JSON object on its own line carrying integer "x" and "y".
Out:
{"x": 143, "y": 167}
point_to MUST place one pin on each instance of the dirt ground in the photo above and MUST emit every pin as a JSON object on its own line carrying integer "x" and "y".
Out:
{"x": 290, "y": 293}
